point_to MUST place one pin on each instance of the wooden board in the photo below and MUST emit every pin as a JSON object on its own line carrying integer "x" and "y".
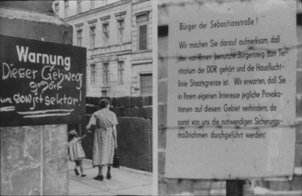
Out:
{"x": 41, "y": 82}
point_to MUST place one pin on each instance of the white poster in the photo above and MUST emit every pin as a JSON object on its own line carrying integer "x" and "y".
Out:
{"x": 231, "y": 89}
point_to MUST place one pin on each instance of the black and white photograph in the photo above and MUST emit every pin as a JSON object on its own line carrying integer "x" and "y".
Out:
{"x": 229, "y": 97}
{"x": 76, "y": 97}
{"x": 151, "y": 97}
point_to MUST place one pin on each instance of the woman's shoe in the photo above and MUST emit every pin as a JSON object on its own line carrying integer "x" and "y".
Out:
{"x": 99, "y": 178}
{"x": 108, "y": 176}
{"x": 83, "y": 175}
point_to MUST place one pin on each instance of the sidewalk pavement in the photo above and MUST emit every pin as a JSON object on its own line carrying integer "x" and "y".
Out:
{"x": 124, "y": 181}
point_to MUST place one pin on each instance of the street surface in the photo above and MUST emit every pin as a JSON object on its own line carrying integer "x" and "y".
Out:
{"x": 124, "y": 181}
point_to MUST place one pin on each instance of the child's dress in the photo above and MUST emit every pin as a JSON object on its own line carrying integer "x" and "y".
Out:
{"x": 75, "y": 150}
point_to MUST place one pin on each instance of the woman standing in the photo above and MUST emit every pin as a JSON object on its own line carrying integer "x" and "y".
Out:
{"x": 105, "y": 138}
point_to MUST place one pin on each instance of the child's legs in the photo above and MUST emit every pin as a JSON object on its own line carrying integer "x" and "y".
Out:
{"x": 81, "y": 166}
{"x": 77, "y": 163}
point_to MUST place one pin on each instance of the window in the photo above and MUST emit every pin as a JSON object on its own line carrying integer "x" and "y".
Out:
{"x": 91, "y": 4}
{"x": 104, "y": 93}
{"x": 142, "y": 37}
{"x": 66, "y": 3}
{"x": 120, "y": 79}
{"x": 142, "y": 24}
{"x": 79, "y": 37}
{"x": 92, "y": 36}
{"x": 93, "y": 74}
{"x": 146, "y": 84}
{"x": 163, "y": 31}
{"x": 79, "y": 6}
{"x": 106, "y": 74}
{"x": 57, "y": 8}
{"x": 121, "y": 27}
{"x": 105, "y": 32}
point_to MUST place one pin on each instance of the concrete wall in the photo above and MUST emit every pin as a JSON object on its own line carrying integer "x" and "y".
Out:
{"x": 33, "y": 158}
{"x": 210, "y": 187}
{"x": 134, "y": 130}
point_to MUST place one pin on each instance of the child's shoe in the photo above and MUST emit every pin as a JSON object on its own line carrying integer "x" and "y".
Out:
{"x": 108, "y": 176}
{"x": 76, "y": 171}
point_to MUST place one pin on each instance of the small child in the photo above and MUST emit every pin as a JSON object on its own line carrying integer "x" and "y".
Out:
{"x": 76, "y": 152}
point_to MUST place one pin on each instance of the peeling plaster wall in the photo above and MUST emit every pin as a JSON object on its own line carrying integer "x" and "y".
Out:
{"x": 34, "y": 158}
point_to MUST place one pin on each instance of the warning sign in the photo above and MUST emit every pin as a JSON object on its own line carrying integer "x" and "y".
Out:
{"x": 231, "y": 89}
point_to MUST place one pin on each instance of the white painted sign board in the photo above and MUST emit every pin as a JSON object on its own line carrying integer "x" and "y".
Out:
{"x": 231, "y": 89}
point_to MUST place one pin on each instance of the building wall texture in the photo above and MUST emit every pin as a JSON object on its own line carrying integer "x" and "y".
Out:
{"x": 109, "y": 52}
{"x": 34, "y": 158}
{"x": 136, "y": 62}
{"x": 141, "y": 61}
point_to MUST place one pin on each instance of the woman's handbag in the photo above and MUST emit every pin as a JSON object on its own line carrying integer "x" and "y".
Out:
{"x": 116, "y": 160}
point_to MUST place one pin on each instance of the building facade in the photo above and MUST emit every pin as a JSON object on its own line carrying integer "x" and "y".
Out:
{"x": 118, "y": 38}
